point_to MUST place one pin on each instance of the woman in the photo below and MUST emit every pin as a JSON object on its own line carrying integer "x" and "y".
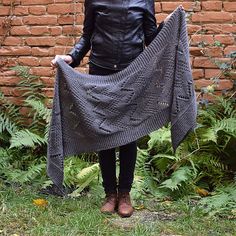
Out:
{"x": 116, "y": 32}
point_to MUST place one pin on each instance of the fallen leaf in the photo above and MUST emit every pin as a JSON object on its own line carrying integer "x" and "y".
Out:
{"x": 40, "y": 202}
{"x": 140, "y": 207}
{"x": 202, "y": 192}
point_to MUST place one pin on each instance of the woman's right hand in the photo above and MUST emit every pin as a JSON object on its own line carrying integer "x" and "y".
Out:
{"x": 67, "y": 58}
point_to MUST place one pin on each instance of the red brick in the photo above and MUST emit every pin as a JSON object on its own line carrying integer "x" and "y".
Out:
{"x": 9, "y": 81}
{"x": 188, "y": 6}
{"x": 4, "y": 11}
{"x": 40, "y": 41}
{"x": 12, "y": 91}
{"x": 20, "y": 10}
{"x": 42, "y": 20}
{"x": 11, "y": 41}
{"x": 36, "y": 51}
{"x": 157, "y": 7}
{"x": 230, "y": 6}
{"x": 69, "y": 29}
{"x": 225, "y": 39}
{"x": 229, "y": 49}
{"x": 234, "y": 17}
{"x": 80, "y": 19}
{"x": 8, "y": 2}
{"x": 7, "y": 62}
{"x": 16, "y": 50}
{"x": 60, "y": 50}
{"x": 198, "y": 38}
{"x": 48, "y": 81}
{"x": 219, "y": 28}
{"x": 193, "y": 28}
{"x": 49, "y": 92}
{"x": 41, "y": 71}
{"x": 195, "y": 51}
{"x": 37, "y": 10}
{"x": 7, "y": 73}
{"x": 213, "y": 51}
{"x": 223, "y": 84}
{"x": 40, "y": 30}
{"x": 36, "y": 2}
{"x": 65, "y": 19}
{"x": 20, "y": 30}
{"x": 17, "y": 21}
{"x": 204, "y": 17}
{"x": 160, "y": 17}
{"x": 64, "y": 1}
{"x": 64, "y": 40}
{"x": 197, "y": 73}
{"x": 64, "y": 8}
{"x": 28, "y": 61}
{"x": 212, "y": 5}
{"x": 16, "y": 100}
{"x": 45, "y": 61}
{"x": 210, "y": 73}
{"x": 55, "y": 30}
{"x": 24, "y": 111}
{"x": 203, "y": 62}
{"x": 208, "y": 96}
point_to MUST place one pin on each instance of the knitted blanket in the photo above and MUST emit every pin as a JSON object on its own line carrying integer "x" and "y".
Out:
{"x": 94, "y": 112}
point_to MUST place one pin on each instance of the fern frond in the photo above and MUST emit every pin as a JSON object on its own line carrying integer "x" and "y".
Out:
{"x": 24, "y": 176}
{"x": 25, "y": 138}
{"x": 228, "y": 107}
{"x": 40, "y": 109}
{"x": 207, "y": 134}
{"x": 4, "y": 159}
{"x": 84, "y": 178}
{"x": 228, "y": 125}
{"x": 178, "y": 177}
{"x": 224, "y": 199}
{"x": 159, "y": 136}
{"x": 7, "y": 124}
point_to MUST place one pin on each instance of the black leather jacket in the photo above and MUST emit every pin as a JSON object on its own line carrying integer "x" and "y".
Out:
{"x": 116, "y": 31}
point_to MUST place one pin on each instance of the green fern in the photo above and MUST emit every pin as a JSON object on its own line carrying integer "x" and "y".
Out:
{"x": 29, "y": 83}
{"x": 223, "y": 200}
{"x": 178, "y": 177}
{"x": 25, "y": 138}
{"x": 25, "y": 176}
{"x": 40, "y": 110}
{"x": 7, "y": 124}
{"x": 84, "y": 178}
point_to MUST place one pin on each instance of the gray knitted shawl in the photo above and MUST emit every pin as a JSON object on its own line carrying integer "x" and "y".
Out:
{"x": 92, "y": 112}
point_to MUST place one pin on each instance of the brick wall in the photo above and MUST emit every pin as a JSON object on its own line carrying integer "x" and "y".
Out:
{"x": 34, "y": 31}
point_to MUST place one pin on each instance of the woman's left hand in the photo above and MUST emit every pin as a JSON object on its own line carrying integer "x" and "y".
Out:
{"x": 168, "y": 17}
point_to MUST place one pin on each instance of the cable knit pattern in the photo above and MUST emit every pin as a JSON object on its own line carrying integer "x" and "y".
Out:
{"x": 94, "y": 112}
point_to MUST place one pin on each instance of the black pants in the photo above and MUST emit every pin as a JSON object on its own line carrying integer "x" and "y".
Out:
{"x": 107, "y": 158}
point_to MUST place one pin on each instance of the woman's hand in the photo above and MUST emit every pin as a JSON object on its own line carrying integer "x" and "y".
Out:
{"x": 67, "y": 58}
{"x": 168, "y": 17}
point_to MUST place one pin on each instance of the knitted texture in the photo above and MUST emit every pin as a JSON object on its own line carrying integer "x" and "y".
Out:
{"x": 94, "y": 112}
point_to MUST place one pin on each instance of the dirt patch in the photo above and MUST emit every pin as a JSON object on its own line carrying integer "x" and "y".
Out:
{"x": 141, "y": 217}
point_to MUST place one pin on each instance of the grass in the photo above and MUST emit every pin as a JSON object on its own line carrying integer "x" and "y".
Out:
{"x": 81, "y": 216}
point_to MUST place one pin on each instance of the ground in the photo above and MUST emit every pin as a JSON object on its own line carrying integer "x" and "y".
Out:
{"x": 81, "y": 216}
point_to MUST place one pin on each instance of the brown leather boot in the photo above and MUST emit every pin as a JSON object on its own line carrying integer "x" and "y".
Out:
{"x": 125, "y": 208}
{"x": 110, "y": 203}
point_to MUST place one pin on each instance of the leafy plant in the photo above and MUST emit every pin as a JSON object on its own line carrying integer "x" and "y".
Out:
{"x": 23, "y": 143}
{"x": 222, "y": 201}
{"x": 203, "y": 161}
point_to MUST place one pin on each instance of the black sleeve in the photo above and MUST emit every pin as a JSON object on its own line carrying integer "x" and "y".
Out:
{"x": 83, "y": 45}
{"x": 149, "y": 24}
